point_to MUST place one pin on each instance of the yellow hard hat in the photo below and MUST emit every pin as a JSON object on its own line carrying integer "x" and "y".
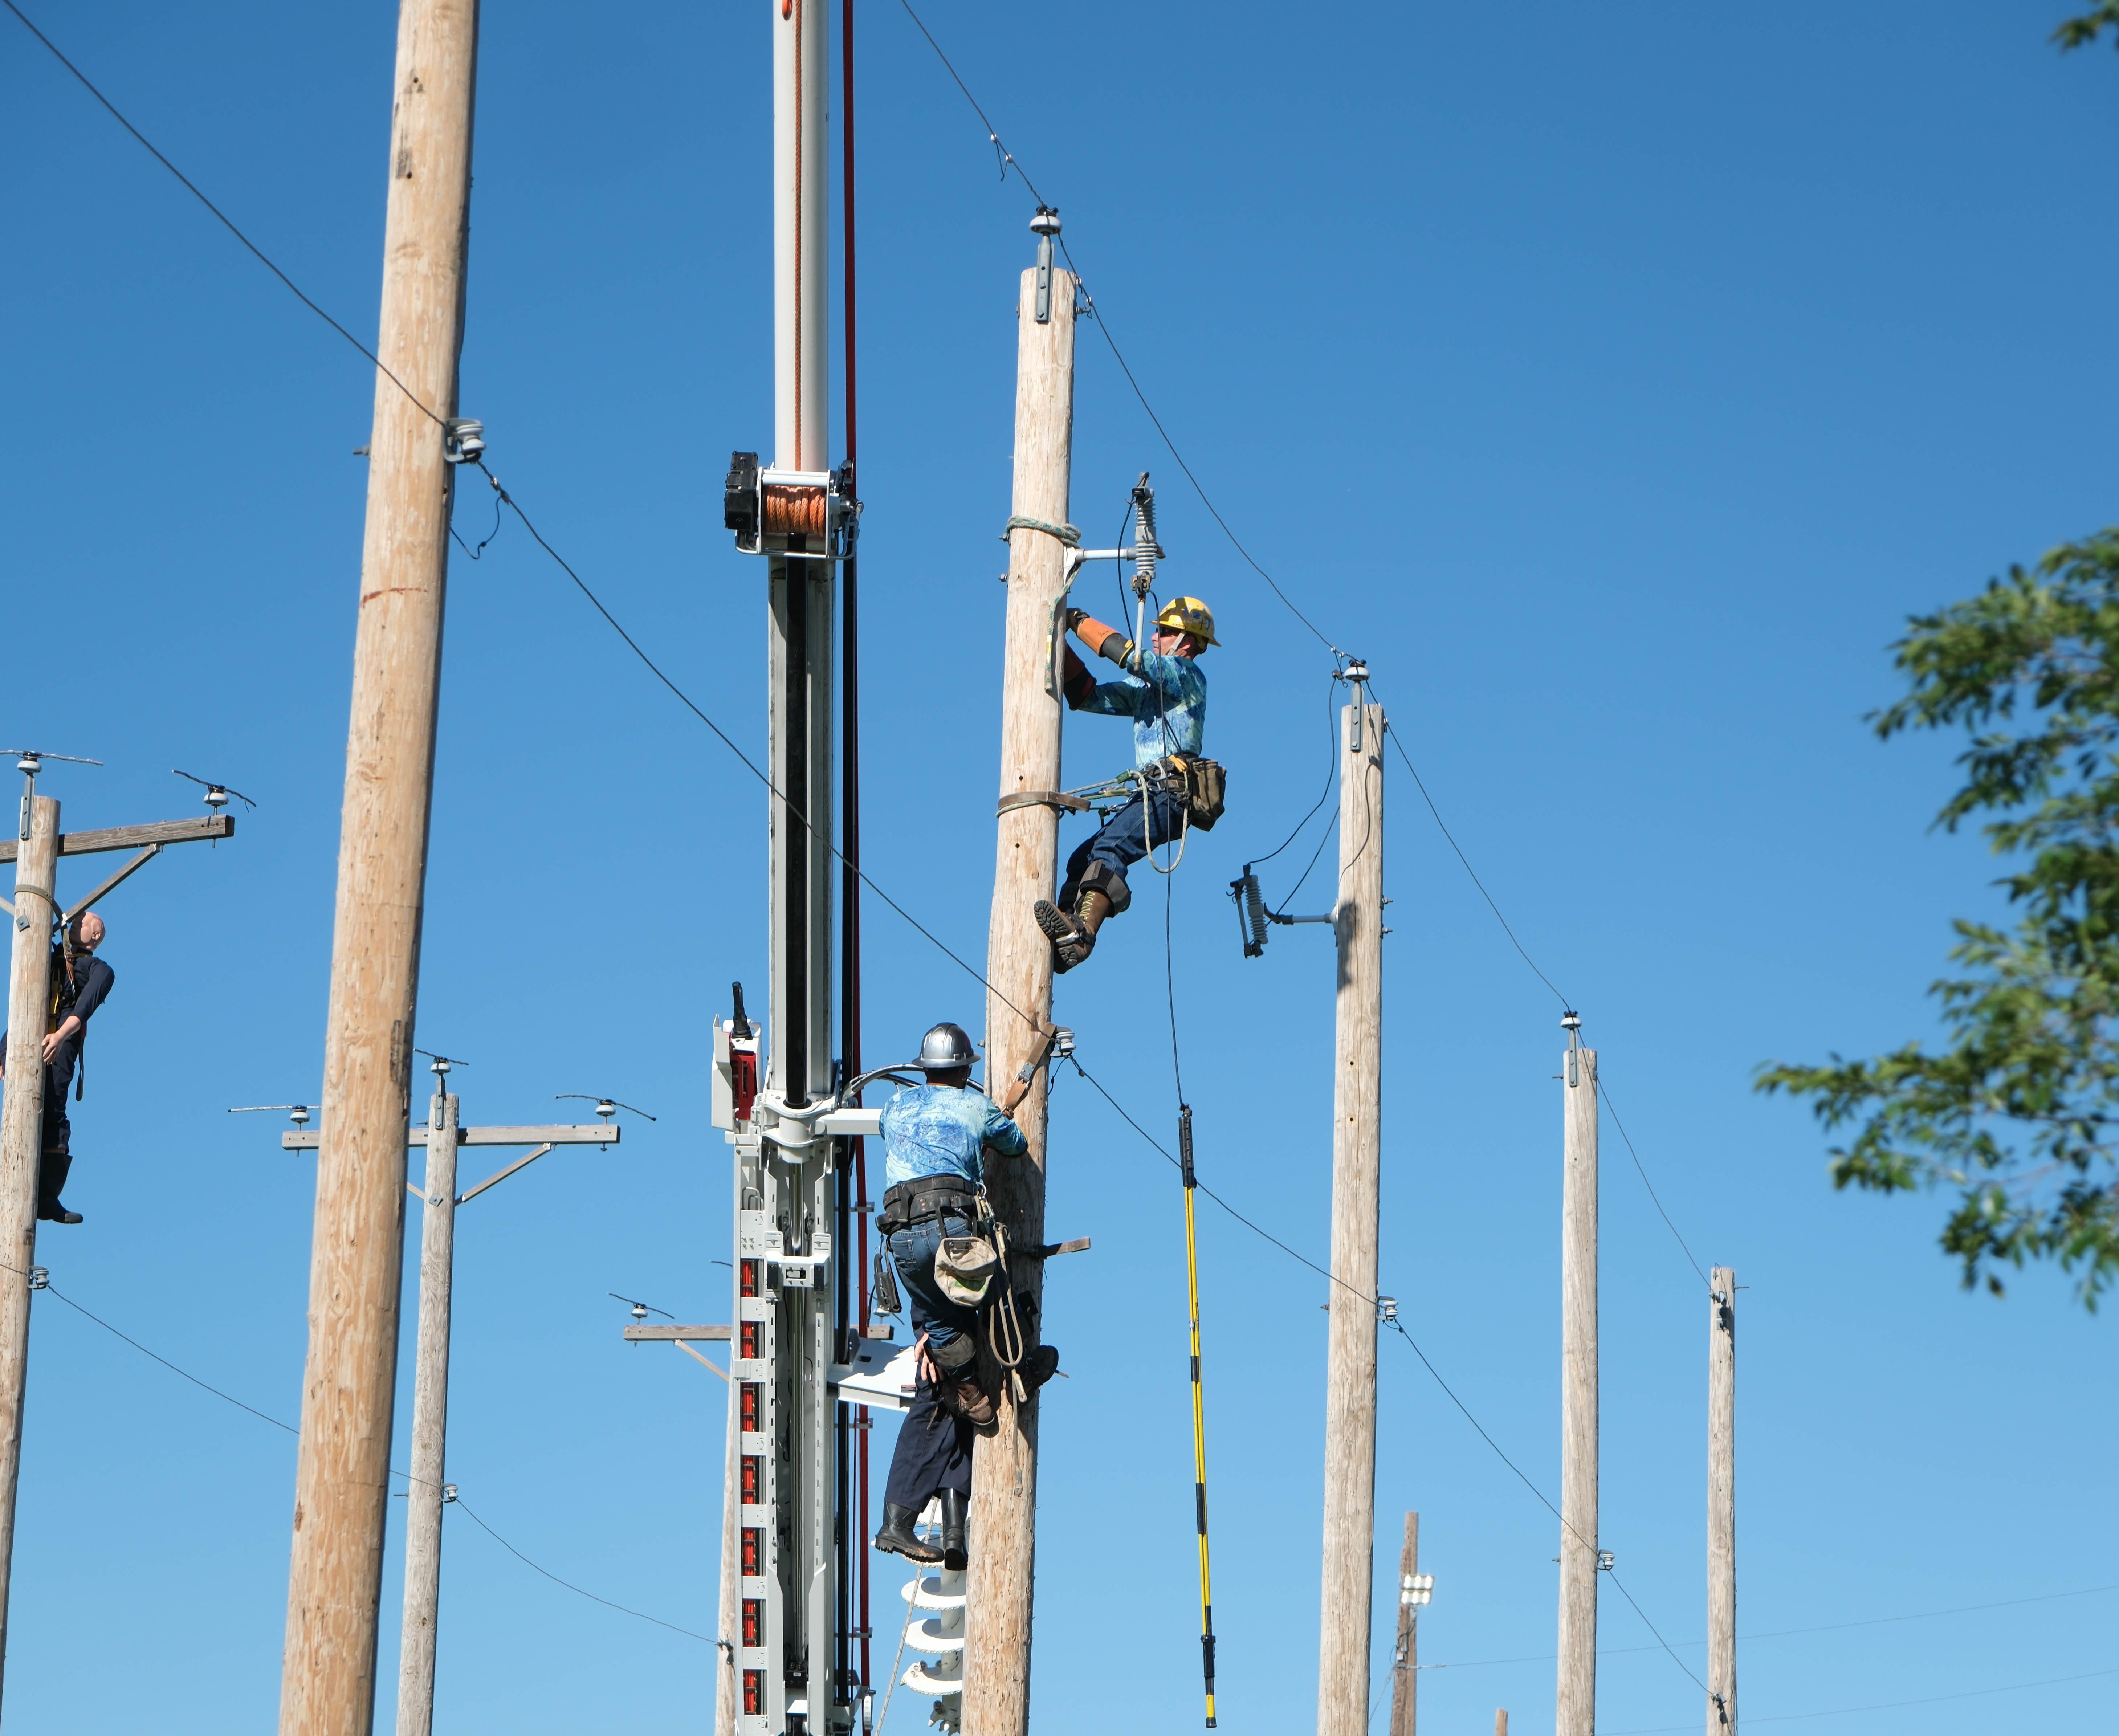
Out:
{"x": 1189, "y": 615}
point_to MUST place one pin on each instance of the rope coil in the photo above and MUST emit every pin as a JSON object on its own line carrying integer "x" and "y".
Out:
{"x": 1065, "y": 532}
{"x": 792, "y": 509}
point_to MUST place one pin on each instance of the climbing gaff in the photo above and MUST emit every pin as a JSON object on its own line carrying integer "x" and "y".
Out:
{"x": 1198, "y": 1409}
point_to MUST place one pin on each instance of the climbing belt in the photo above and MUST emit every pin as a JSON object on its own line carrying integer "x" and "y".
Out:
{"x": 1198, "y": 1409}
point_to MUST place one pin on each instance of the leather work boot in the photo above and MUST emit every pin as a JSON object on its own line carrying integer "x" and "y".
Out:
{"x": 955, "y": 1509}
{"x": 899, "y": 1538}
{"x": 1073, "y": 940}
{"x": 1039, "y": 1366}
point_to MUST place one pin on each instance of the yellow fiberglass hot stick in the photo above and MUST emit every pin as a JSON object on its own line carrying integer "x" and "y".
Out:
{"x": 1198, "y": 1409}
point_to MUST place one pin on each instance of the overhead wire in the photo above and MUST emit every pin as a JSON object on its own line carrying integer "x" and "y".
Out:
{"x": 1641, "y": 1169}
{"x": 226, "y": 1398}
{"x": 1785, "y": 1633}
{"x": 1889, "y": 1706}
{"x": 1006, "y": 162}
{"x": 691, "y": 705}
{"x": 226, "y": 222}
{"x": 506, "y": 499}
{"x": 1331, "y": 768}
{"x": 1399, "y": 1327}
{"x": 1443, "y": 827}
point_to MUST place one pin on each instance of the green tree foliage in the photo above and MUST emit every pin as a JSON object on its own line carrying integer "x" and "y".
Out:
{"x": 2077, "y": 33}
{"x": 2020, "y": 1112}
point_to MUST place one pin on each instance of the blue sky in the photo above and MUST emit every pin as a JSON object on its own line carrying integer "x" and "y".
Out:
{"x": 1615, "y": 380}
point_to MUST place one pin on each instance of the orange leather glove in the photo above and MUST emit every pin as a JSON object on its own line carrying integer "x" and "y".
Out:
{"x": 1076, "y": 681}
{"x": 1097, "y": 636}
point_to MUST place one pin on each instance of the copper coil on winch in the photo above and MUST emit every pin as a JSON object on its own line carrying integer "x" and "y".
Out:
{"x": 793, "y": 510}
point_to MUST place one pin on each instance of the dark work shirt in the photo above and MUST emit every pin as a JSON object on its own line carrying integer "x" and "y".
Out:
{"x": 92, "y": 983}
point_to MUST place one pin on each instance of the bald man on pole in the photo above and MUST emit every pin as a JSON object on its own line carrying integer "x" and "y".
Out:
{"x": 80, "y": 983}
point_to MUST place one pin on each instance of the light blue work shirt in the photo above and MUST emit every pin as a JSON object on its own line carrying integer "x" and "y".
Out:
{"x": 940, "y": 1129}
{"x": 1165, "y": 697}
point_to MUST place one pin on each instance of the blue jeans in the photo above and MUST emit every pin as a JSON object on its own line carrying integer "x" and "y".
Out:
{"x": 1153, "y": 819}
{"x": 912, "y": 1249}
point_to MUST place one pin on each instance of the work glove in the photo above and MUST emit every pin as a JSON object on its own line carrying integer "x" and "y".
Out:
{"x": 1106, "y": 641}
{"x": 1076, "y": 681}
{"x": 1075, "y": 617}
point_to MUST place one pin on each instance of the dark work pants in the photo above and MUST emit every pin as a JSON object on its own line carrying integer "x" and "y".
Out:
{"x": 1157, "y": 818}
{"x": 56, "y": 1157}
{"x": 934, "y": 1449}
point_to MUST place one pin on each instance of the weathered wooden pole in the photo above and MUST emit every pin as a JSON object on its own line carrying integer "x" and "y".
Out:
{"x": 342, "y": 1479}
{"x": 430, "y": 1422}
{"x": 1722, "y": 1503}
{"x": 1405, "y": 1666}
{"x": 1576, "y": 1710}
{"x": 996, "y": 1617}
{"x": 22, "y": 1139}
{"x": 1500, "y": 1721}
{"x": 1350, "y": 1379}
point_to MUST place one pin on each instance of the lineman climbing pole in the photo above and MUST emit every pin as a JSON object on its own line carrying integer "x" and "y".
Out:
{"x": 1579, "y": 1557}
{"x": 37, "y": 913}
{"x": 1350, "y": 1381}
{"x": 1019, "y": 964}
{"x": 1722, "y": 1503}
{"x": 341, "y": 1481}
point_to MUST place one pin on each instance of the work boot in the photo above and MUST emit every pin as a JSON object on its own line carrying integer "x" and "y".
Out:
{"x": 1073, "y": 940}
{"x": 899, "y": 1538}
{"x": 955, "y": 1509}
{"x": 57, "y": 1213}
{"x": 1039, "y": 1366}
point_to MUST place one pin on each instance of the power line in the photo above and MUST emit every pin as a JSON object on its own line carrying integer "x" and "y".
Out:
{"x": 1642, "y": 1171}
{"x": 1468, "y": 869}
{"x": 52, "y": 1289}
{"x": 1889, "y": 1706}
{"x": 689, "y": 704}
{"x": 266, "y": 1417}
{"x": 1399, "y": 1326}
{"x": 1008, "y": 161}
{"x": 506, "y": 499}
{"x": 1331, "y": 765}
{"x": 570, "y": 1585}
{"x": 227, "y": 222}
{"x": 1785, "y": 1633}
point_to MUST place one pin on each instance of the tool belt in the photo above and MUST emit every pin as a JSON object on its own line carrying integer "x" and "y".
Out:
{"x": 1202, "y": 782}
{"x": 923, "y": 1197}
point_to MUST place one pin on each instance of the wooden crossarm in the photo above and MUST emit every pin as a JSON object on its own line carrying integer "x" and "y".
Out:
{"x": 134, "y": 837}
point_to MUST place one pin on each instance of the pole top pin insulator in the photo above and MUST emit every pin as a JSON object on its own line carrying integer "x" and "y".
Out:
{"x": 1570, "y": 1021}
{"x": 1046, "y": 222}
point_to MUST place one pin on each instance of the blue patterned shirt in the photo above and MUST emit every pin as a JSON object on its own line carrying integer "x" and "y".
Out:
{"x": 1165, "y": 697}
{"x": 939, "y": 1130}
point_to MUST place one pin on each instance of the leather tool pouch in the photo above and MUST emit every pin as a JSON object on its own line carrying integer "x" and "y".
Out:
{"x": 1206, "y": 790}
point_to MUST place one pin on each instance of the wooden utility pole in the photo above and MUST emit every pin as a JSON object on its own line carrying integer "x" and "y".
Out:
{"x": 21, "y": 1136}
{"x": 1019, "y": 967}
{"x": 444, "y": 1137}
{"x": 1500, "y": 1721}
{"x": 430, "y": 1421}
{"x": 37, "y": 914}
{"x": 1350, "y": 1380}
{"x": 1576, "y": 1711}
{"x": 1722, "y": 1503}
{"x": 1405, "y": 1666}
{"x": 341, "y": 1479}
